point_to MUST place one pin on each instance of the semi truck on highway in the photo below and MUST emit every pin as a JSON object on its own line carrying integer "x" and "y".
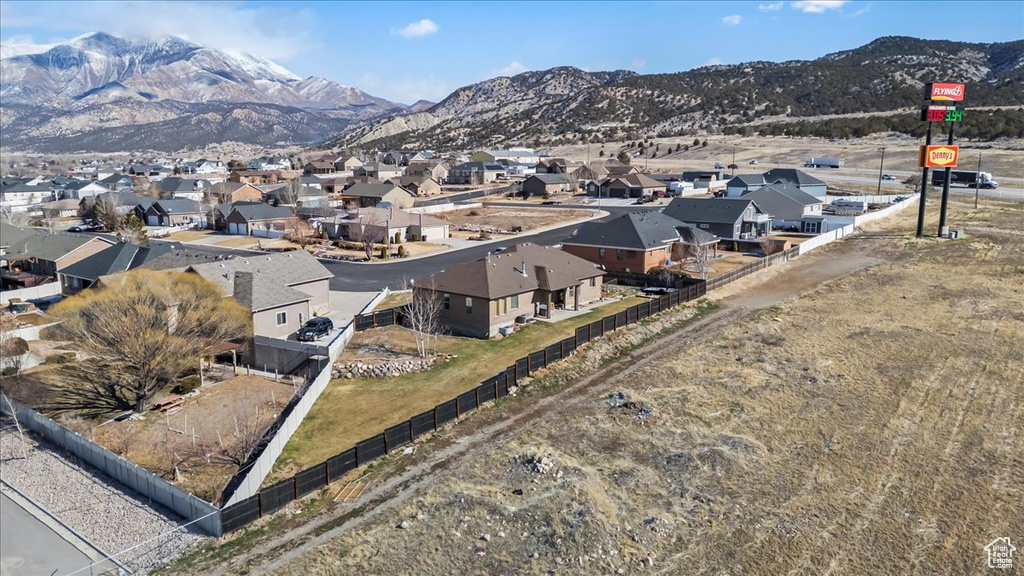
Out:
{"x": 824, "y": 162}
{"x": 964, "y": 178}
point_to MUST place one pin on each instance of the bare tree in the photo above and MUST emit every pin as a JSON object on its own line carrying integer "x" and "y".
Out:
{"x": 699, "y": 255}
{"x": 424, "y": 316}
{"x": 300, "y": 232}
{"x": 367, "y": 231}
{"x": 138, "y": 333}
{"x": 292, "y": 191}
{"x": 767, "y": 246}
{"x": 12, "y": 348}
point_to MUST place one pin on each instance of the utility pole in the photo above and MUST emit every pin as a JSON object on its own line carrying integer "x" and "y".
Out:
{"x": 881, "y": 164}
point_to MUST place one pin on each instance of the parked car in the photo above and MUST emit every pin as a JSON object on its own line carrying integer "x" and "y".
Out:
{"x": 660, "y": 193}
{"x": 645, "y": 199}
{"x": 752, "y": 162}
{"x": 733, "y": 166}
{"x": 888, "y": 177}
{"x": 314, "y": 328}
{"x": 719, "y": 165}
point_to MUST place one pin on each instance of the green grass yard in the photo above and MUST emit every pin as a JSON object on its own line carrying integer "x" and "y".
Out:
{"x": 352, "y": 410}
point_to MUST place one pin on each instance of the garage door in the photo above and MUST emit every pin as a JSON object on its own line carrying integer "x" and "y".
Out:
{"x": 153, "y": 220}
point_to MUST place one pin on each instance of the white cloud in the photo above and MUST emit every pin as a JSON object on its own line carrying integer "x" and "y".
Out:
{"x": 514, "y": 67}
{"x": 733, "y": 20}
{"x": 817, "y": 6}
{"x": 277, "y": 32}
{"x": 770, "y": 7}
{"x": 424, "y": 27}
{"x": 637, "y": 65}
{"x": 713, "y": 61}
{"x": 405, "y": 89}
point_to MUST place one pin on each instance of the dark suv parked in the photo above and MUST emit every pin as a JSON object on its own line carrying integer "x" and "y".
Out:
{"x": 314, "y": 328}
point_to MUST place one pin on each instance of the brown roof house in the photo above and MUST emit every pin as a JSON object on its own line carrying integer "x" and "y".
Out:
{"x": 482, "y": 298}
{"x": 228, "y": 192}
{"x": 418, "y": 185}
{"x": 281, "y": 290}
{"x": 631, "y": 186}
{"x": 369, "y": 195}
{"x": 252, "y": 218}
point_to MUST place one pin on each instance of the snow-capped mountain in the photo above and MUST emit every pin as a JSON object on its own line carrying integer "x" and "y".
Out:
{"x": 62, "y": 89}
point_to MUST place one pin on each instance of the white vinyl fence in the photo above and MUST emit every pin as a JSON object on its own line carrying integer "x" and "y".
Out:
{"x": 438, "y": 208}
{"x": 33, "y": 293}
{"x": 127, "y": 473}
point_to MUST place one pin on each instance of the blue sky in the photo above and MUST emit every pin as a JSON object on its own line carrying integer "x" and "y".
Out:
{"x": 405, "y": 51}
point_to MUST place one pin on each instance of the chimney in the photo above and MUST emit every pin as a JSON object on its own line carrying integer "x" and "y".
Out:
{"x": 523, "y": 269}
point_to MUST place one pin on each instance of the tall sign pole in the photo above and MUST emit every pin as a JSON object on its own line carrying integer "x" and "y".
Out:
{"x": 939, "y": 156}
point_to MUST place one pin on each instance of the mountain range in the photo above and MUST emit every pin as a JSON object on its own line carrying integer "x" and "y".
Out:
{"x": 102, "y": 93}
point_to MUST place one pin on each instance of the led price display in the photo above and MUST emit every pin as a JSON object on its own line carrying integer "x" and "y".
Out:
{"x": 942, "y": 114}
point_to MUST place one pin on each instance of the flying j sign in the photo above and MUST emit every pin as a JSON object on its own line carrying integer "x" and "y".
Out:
{"x": 938, "y": 156}
{"x": 944, "y": 91}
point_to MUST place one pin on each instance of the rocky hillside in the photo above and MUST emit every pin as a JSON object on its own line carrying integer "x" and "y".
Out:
{"x": 54, "y": 96}
{"x": 565, "y": 105}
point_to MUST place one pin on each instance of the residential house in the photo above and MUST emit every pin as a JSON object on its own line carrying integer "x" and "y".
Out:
{"x": 378, "y": 222}
{"x": 188, "y": 188}
{"x": 369, "y": 195}
{"x": 120, "y": 203}
{"x": 521, "y": 155}
{"x": 228, "y": 192}
{"x": 631, "y": 186}
{"x": 616, "y": 168}
{"x": 16, "y": 195}
{"x": 270, "y": 163}
{"x": 256, "y": 176}
{"x": 790, "y": 207}
{"x": 480, "y": 298}
{"x": 555, "y": 166}
{"x": 117, "y": 182}
{"x": 744, "y": 183}
{"x": 125, "y": 256}
{"x": 380, "y": 171}
{"x": 430, "y": 169}
{"x": 418, "y": 185}
{"x": 320, "y": 167}
{"x": 475, "y": 173}
{"x": 247, "y": 217}
{"x": 84, "y": 189}
{"x": 587, "y": 173}
{"x": 633, "y": 242}
{"x": 31, "y": 256}
{"x": 204, "y": 166}
{"x": 281, "y": 290}
{"x": 402, "y": 158}
{"x": 61, "y": 209}
{"x": 544, "y": 184}
{"x": 513, "y": 168}
{"x": 173, "y": 212}
{"x": 727, "y": 218}
{"x": 155, "y": 172}
{"x": 347, "y": 165}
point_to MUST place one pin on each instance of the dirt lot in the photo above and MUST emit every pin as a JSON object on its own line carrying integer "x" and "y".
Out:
{"x": 224, "y": 417}
{"x": 871, "y": 426}
{"x": 502, "y": 218}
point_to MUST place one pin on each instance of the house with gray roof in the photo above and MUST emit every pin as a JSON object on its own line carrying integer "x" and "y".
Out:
{"x": 173, "y": 212}
{"x": 480, "y": 298}
{"x": 727, "y": 218}
{"x": 475, "y": 173}
{"x": 379, "y": 170}
{"x": 281, "y": 290}
{"x": 386, "y": 222}
{"x": 370, "y": 195}
{"x": 631, "y": 186}
{"x": 790, "y": 207}
{"x": 189, "y": 188}
{"x": 542, "y": 184}
{"x": 32, "y": 256}
{"x": 634, "y": 242}
{"x": 120, "y": 257}
{"x": 247, "y": 217}
{"x": 743, "y": 183}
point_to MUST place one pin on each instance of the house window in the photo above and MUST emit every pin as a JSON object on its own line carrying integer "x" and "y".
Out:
{"x": 631, "y": 254}
{"x": 593, "y": 282}
{"x": 572, "y": 291}
{"x": 500, "y": 306}
{"x": 618, "y": 254}
{"x": 515, "y": 302}
{"x": 702, "y": 225}
{"x": 469, "y": 305}
{"x": 600, "y": 252}
{"x": 447, "y": 301}
{"x": 282, "y": 318}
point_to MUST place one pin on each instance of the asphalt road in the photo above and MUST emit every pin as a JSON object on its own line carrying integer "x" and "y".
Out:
{"x": 357, "y": 277}
{"x": 28, "y": 547}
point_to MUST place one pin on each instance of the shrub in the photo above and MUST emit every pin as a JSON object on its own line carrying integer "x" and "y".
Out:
{"x": 473, "y": 213}
{"x": 187, "y": 384}
{"x": 62, "y": 358}
{"x": 401, "y": 251}
{"x": 9, "y": 371}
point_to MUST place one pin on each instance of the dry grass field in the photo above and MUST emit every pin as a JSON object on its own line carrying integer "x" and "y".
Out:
{"x": 871, "y": 426}
{"x": 503, "y": 218}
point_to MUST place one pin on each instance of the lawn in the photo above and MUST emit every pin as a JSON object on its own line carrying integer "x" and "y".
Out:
{"x": 394, "y": 299}
{"x": 352, "y": 410}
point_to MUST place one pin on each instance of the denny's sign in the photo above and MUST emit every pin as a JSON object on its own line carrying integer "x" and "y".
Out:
{"x": 938, "y": 156}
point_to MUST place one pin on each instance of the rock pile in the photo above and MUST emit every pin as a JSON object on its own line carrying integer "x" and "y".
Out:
{"x": 387, "y": 368}
{"x": 538, "y": 463}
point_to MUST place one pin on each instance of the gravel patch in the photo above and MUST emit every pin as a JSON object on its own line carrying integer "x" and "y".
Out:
{"x": 110, "y": 516}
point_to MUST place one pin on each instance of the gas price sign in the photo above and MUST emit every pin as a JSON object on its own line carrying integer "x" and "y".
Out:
{"x": 942, "y": 114}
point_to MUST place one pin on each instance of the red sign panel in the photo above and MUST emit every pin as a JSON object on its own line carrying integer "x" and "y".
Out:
{"x": 944, "y": 91}
{"x": 942, "y": 156}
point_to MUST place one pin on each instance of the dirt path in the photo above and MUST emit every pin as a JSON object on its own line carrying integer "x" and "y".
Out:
{"x": 736, "y": 301}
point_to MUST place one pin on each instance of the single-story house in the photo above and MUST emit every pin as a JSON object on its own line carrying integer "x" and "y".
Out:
{"x": 480, "y": 298}
{"x": 789, "y": 206}
{"x": 418, "y": 185}
{"x": 338, "y": 185}
{"x": 125, "y": 256}
{"x": 173, "y": 212}
{"x": 378, "y": 221}
{"x": 541, "y": 184}
{"x": 246, "y": 217}
{"x": 32, "y": 256}
{"x": 228, "y": 192}
{"x": 191, "y": 189}
{"x": 633, "y": 242}
{"x": 744, "y": 183}
{"x": 369, "y": 195}
{"x": 347, "y": 164}
{"x": 727, "y": 218}
{"x": 84, "y": 189}
{"x": 631, "y": 186}
{"x": 281, "y": 290}
{"x": 475, "y": 173}
{"x": 318, "y": 167}
{"x": 67, "y": 208}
